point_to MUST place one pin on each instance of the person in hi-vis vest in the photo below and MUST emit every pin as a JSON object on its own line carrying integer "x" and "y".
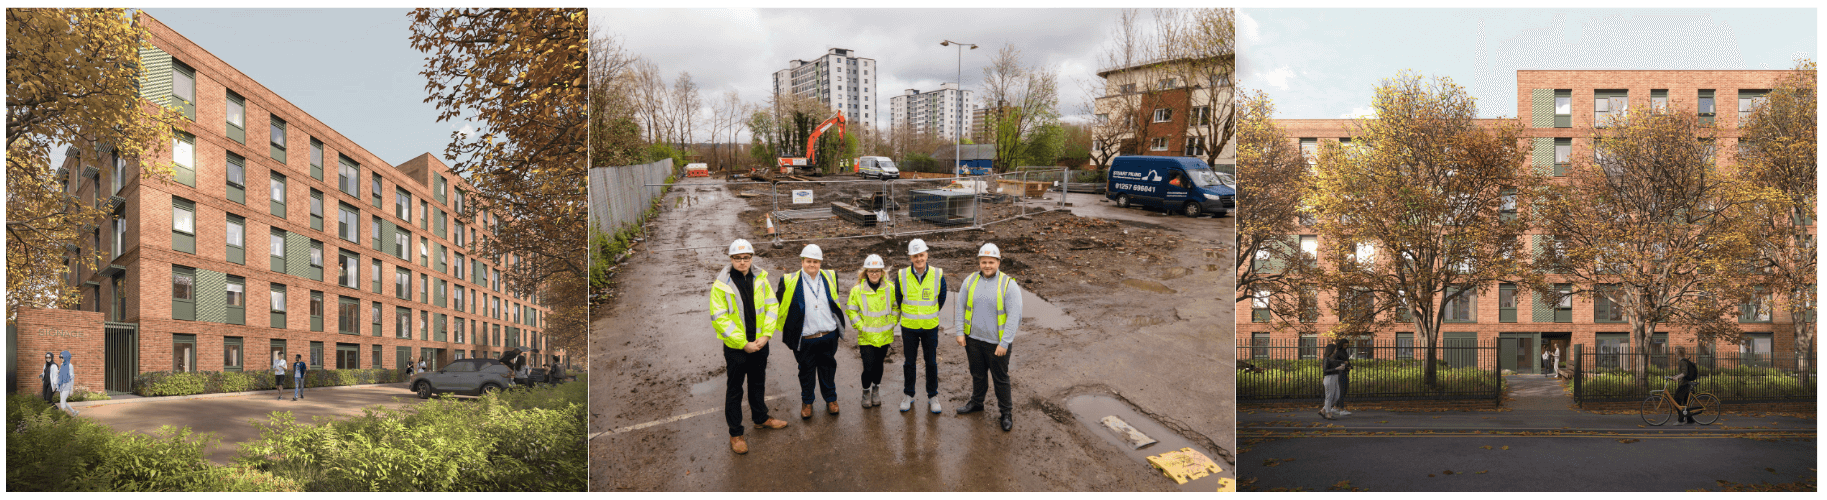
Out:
{"x": 811, "y": 321}
{"x": 743, "y": 314}
{"x": 872, "y": 310}
{"x": 920, "y": 291}
{"x": 988, "y": 316}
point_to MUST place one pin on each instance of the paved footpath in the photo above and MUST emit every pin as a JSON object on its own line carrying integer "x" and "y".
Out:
{"x": 231, "y": 416}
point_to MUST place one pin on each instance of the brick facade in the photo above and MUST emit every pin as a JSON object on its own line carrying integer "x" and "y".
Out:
{"x": 56, "y": 330}
{"x": 148, "y": 256}
{"x": 1581, "y": 87}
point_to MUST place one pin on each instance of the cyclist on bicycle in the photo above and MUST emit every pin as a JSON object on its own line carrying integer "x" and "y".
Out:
{"x": 1689, "y": 373}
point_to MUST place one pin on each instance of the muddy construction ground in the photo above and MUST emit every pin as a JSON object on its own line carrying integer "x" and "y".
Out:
{"x": 1129, "y": 307}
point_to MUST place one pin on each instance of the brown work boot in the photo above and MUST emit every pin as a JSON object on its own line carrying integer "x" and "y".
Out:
{"x": 772, "y": 423}
{"x": 738, "y": 445}
{"x": 831, "y": 407}
{"x": 805, "y": 412}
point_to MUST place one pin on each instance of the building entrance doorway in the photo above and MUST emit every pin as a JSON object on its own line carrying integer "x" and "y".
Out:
{"x": 120, "y": 356}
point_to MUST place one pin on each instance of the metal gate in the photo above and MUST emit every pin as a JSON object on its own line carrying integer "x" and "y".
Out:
{"x": 121, "y": 356}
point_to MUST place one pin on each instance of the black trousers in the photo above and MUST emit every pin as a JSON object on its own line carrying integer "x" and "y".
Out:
{"x": 982, "y": 357}
{"x": 872, "y": 363}
{"x": 1682, "y": 392}
{"x": 1344, "y": 388}
{"x": 817, "y": 363}
{"x": 752, "y": 367}
{"x": 915, "y": 342}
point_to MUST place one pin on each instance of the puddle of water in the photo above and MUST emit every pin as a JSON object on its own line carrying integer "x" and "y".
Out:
{"x": 1035, "y": 311}
{"x": 1089, "y": 409}
{"x": 708, "y": 386}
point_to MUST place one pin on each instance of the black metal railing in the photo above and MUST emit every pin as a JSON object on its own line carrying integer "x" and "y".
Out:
{"x": 1605, "y": 375}
{"x": 1380, "y": 371}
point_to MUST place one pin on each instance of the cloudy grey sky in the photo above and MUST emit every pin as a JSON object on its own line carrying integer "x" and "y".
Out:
{"x": 740, "y": 49}
{"x": 1325, "y": 63}
{"x": 352, "y": 69}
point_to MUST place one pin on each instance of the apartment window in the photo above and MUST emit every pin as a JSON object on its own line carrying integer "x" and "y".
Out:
{"x": 317, "y": 260}
{"x": 1164, "y": 115}
{"x": 348, "y": 316}
{"x": 1259, "y": 306}
{"x": 456, "y": 330}
{"x": 183, "y": 225}
{"x": 119, "y": 179}
{"x": 236, "y": 239}
{"x": 277, "y": 306}
{"x": 402, "y": 283}
{"x": 276, "y": 193}
{"x": 374, "y": 190}
{"x": 377, "y": 356}
{"x": 236, "y": 300}
{"x": 424, "y": 215}
{"x": 348, "y": 223}
{"x": 1756, "y": 310}
{"x": 231, "y": 354}
{"x": 276, "y": 139}
{"x": 424, "y": 288}
{"x": 439, "y": 186}
{"x": 402, "y": 244}
{"x": 183, "y": 352}
{"x": 348, "y": 176}
{"x": 317, "y": 311}
{"x": 1563, "y": 152}
{"x": 402, "y": 323}
{"x": 317, "y": 210}
{"x": 1605, "y": 310}
{"x": 1658, "y": 100}
{"x": 424, "y": 252}
{"x": 184, "y": 89}
{"x": 1405, "y": 345}
{"x": 424, "y": 325}
{"x": 1748, "y": 101}
{"x": 456, "y": 298}
{"x": 1754, "y": 350}
{"x": 1309, "y": 149}
{"x": 1195, "y": 146}
{"x": 237, "y": 118}
{"x": 1507, "y": 205}
{"x": 457, "y": 266}
{"x": 237, "y": 179}
{"x": 1127, "y": 88}
{"x": 374, "y": 231}
{"x": 1563, "y": 305}
{"x": 374, "y": 270}
{"x": 1608, "y": 105}
{"x": 348, "y": 356}
{"x": 275, "y": 250}
{"x": 402, "y": 205}
{"x": 438, "y": 224}
{"x": 374, "y": 320}
{"x": 184, "y": 158}
{"x": 1506, "y": 303}
{"x": 1563, "y": 108}
{"x": 317, "y": 355}
{"x": 1463, "y": 309}
{"x": 317, "y": 159}
{"x": 350, "y": 273}
{"x": 183, "y": 293}
{"x": 1157, "y": 144}
{"x": 1706, "y": 106}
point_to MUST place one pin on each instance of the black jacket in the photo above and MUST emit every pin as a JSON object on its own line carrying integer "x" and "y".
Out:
{"x": 796, "y": 312}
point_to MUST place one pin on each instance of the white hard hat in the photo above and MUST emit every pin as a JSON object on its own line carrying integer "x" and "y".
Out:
{"x": 740, "y": 247}
{"x": 990, "y": 250}
{"x": 874, "y": 262}
{"x": 812, "y": 252}
{"x": 916, "y": 246}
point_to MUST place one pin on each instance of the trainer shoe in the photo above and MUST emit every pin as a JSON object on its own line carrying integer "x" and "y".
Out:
{"x": 1344, "y": 413}
{"x": 934, "y": 405}
{"x": 907, "y": 403}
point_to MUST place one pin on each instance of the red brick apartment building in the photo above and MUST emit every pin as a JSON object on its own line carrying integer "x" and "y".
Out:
{"x": 1557, "y": 110}
{"x": 284, "y": 238}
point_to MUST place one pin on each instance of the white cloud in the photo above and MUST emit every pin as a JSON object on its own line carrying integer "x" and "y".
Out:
{"x": 1278, "y": 77}
{"x": 1359, "y": 112}
{"x": 1248, "y": 30}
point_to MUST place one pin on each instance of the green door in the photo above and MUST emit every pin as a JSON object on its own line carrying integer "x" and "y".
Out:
{"x": 1461, "y": 349}
{"x": 1519, "y": 352}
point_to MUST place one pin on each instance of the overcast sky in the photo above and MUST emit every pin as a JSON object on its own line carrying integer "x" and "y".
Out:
{"x": 740, "y": 49}
{"x": 1325, "y": 63}
{"x": 352, "y": 69}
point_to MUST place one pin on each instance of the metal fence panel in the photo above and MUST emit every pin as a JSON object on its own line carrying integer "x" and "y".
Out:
{"x": 1734, "y": 377}
{"x": 619, "y": 195}
{"x": 1381, "y": 371}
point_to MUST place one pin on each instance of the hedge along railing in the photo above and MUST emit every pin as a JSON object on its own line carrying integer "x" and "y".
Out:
{"x": 1601, "y": 377}
{"x": 1285, "y": 371}
{"x": 188, "y": 383}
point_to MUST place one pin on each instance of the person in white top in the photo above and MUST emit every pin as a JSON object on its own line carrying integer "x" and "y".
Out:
{"x": 279, "y": 374}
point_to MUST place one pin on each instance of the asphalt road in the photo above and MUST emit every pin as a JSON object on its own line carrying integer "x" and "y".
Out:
{"x": 658, "y": 425}
{"x": 231, "y": 418}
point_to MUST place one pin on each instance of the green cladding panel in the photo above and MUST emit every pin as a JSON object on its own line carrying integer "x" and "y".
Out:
{"x": 212, "y": 296}
{"x": 1541, "y": 108}
{"x": 1541, "y": 155}
{"x": 298, "y": 255}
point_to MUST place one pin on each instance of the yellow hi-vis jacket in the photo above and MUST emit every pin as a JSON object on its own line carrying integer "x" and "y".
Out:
{"x": 873, "y": 313}
{"x": 970, "y": 299}
{"x": 726, "y": 308}
{"x": 920, "y": 298}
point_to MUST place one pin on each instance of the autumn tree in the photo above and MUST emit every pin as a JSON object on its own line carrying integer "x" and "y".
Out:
{"x": 1650, "y": 225}
{"x": 1277, "y": 175}
{"x": 1198, "y": 48}
{"x": 615, "y": 134}
{"x": 1021, "y": 99}
{"x": 73, "y": 81}
{"x": 1777, "y": 151}
{"x": 1117, "y": 104}
{"x": 1418, "y": 208}
{"x": 520, "y": 76}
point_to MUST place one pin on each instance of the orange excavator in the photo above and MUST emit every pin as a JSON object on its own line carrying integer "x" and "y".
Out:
{"x": 809, "y": 163}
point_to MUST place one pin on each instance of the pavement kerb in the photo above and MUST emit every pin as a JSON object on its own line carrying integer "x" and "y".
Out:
{"x": 154, "y": 399}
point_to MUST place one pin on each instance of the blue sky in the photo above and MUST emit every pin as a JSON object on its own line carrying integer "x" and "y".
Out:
{"x": 1325, "y": 63}
{"x": 352, "y": 69}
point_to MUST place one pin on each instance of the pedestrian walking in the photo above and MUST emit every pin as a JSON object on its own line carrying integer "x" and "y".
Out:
{"x": 1547, "y": 363}
{"x": 421, "y": 368}
{"x": 66, "y": 381}
{"x": 279, "y": 374}
{"x": 872, "y": 310}
{"x": 1689, "y": 373}
{"x": 920, "y": 293}
{"x": 1335, "y": 364}
{"x": 1554, "y": 366}
{"x": 298, "y": 376}
{"x": 987, "y": 323}
{"x": 810, "y": 325}
{"x": 743, "y": 314}
{"x": 48, "y": 378}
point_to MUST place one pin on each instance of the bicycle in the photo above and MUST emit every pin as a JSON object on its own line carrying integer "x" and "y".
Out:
{"x": 1661, "y": 405}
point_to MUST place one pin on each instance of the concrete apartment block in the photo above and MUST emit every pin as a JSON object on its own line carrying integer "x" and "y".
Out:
{"x": 163, "y": 299}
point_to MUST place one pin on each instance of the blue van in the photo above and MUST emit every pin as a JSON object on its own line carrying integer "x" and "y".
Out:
{"x": 1170, "y": 183}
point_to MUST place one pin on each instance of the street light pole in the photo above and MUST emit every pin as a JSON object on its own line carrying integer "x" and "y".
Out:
{"x": 958, "y": 137}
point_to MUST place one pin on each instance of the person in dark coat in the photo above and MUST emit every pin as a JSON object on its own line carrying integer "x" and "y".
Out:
{"x": 1334, "y": 365}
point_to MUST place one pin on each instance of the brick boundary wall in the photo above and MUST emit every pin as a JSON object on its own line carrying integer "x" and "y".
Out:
{"x": 56, "y": 330}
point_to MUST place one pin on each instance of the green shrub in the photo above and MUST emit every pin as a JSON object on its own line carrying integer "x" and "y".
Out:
{"x": 1726, "y": 387}
{"x": 1298, "y": 379}
{"x": 187, "y": 383}
{"x": 47, "y": 450}
{"x": 170, "y": 383}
